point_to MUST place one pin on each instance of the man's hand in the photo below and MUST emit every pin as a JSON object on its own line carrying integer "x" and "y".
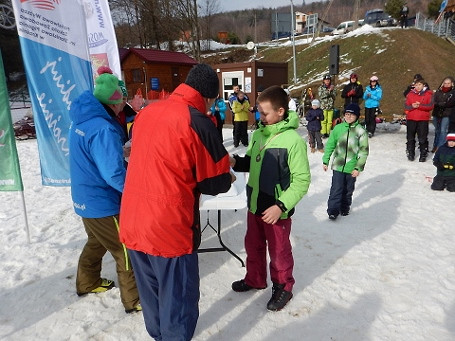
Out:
{"x": 325, "y": 167}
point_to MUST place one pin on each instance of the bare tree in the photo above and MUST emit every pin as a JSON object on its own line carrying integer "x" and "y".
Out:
{"x": 209, "y": 8}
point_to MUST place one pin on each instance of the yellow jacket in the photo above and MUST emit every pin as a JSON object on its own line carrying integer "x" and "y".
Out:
{"x": 241, "y": 110}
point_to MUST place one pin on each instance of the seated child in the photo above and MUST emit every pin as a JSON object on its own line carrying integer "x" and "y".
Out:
{"x": 444, "y": 160}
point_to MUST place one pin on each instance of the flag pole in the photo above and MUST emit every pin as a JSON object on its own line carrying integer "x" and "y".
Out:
{"x": 27, "y": 230}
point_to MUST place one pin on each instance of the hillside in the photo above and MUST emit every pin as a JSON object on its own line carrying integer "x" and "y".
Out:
{"x": 393, "y": 54}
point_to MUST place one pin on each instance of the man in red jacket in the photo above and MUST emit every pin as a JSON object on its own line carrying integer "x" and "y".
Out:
{"x": 176, "y": 154}
{"x": 419, "y": 103}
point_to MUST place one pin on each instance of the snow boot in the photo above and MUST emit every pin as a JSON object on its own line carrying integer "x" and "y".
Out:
{"x": 280, "y": 297}
{"x": 423, "y": 156}
{"x": 106, "y": 284}
{"x": 241, "y": 286}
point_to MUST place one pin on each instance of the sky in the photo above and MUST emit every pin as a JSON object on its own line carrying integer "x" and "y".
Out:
{"x": 384, "y": 273}
{"x": 242, "y": 4}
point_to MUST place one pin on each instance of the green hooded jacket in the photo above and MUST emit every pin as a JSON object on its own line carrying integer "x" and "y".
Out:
{"x": 349, "y": 145}
{"x": 278, "y": 165}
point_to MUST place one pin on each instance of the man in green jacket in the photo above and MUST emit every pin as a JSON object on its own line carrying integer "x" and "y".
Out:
{"x": 348, "y": 143}
{"x": 279, "y": 177}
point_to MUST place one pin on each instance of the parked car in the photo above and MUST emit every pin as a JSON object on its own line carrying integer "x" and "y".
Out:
{"x": 345, "y": 27}
{"x": 379, "y": 18}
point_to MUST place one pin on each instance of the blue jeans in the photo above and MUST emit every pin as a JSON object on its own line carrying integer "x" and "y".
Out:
{"x": 441, "y": 127}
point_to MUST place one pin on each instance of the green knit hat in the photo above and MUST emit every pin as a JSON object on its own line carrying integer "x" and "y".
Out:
{"x": 107, "y": 89}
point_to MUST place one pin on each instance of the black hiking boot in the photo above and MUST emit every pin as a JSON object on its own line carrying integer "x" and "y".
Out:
{"x": 410, "y": 154}
{"x": 241, "y": 286}
{"x": 280, "y": 298}
{"x": 423, "y": 156}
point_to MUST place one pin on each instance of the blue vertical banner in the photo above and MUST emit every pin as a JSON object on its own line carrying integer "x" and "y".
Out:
{"x": 53, "y": 38}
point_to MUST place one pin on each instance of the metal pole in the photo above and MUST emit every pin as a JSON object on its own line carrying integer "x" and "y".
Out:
{"x": 27, "y": 230}
{"x": 293, "y": 42}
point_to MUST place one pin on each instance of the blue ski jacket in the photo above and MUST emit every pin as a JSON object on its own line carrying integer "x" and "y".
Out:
{"x": 97, "y": 165}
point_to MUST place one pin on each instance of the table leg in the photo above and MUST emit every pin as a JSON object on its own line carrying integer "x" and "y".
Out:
{"x": 221, "y": 241}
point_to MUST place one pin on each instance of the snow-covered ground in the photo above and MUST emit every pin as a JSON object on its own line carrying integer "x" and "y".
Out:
{"x": 386, "y": 272}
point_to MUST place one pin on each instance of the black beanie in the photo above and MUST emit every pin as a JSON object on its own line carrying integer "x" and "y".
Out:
{"x": 353, "y": 108}
{"x": 203, "y": 79}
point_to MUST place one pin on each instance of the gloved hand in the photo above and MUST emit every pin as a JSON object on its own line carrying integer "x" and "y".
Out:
{"x": 351, "y": 93}
{"x": 439, "y": 166}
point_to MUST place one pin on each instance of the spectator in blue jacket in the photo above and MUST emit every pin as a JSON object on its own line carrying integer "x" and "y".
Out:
{"x": 218, "y": 110}
{"x": 372, "y": 97}
{"x": 97, "y": 172}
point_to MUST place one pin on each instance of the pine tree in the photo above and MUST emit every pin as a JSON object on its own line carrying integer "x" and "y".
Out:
{"x": 393, "y": 7}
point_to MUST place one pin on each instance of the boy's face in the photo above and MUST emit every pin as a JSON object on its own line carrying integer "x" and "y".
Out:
{"x": 451, "y": 144}
{"x": 314, "y": 106}
{"x": 350, "y": 117}
{"x": 270, "y": 115}
{"x": 240, "y": 96}
{"x": 326, "y": 82}
{"x": 418, "y": 86}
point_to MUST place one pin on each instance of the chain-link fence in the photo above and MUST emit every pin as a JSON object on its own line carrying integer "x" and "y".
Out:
{"x": 444, "y": 28}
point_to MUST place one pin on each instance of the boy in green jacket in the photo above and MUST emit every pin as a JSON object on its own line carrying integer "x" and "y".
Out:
{"x": 277, "y": 161}
{"x": 349, "y": 144}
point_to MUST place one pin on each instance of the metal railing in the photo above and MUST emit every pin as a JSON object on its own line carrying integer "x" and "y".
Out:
{"x": 444, "y": 28}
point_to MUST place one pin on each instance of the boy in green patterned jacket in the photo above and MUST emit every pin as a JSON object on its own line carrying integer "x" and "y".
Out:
{"x": 349, "y": 144}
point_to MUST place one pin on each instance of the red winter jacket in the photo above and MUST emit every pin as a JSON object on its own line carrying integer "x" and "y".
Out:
{"x": 422, "y": 113}
{"x": 176, "y": 154}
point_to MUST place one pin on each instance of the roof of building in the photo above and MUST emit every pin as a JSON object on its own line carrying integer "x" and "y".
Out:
{"x": 123, "y": 52}
{"x": 160, "y": 56}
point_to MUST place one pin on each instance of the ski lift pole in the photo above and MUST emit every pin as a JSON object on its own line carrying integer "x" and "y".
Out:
{"x": 293, "y": 42}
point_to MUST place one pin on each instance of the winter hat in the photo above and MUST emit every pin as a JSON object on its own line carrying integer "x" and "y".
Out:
{"x": 122, "y": 86}
{"x": 353, "y": 108}
{"x": 450, "y": 137}
{"x": 354, "y": 75}
{"x": 374, "y": 78}
{"x": 107, "y": 89}
{"x": 327, "y": 77}
{"x": 204, "y": 80}
{"x": 316, "y": 102}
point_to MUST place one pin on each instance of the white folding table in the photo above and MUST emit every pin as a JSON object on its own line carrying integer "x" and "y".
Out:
{"x": 234, "y": 199}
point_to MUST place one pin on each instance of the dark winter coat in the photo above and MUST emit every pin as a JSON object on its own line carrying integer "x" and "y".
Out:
{"x": 444, "y": 103}
{"x": 444, "y": 159}
{"x": 353, "y": 97}
{"x": 314, "y": 118}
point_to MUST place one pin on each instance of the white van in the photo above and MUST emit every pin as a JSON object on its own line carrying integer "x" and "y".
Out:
{"x": 345, "y": 27}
